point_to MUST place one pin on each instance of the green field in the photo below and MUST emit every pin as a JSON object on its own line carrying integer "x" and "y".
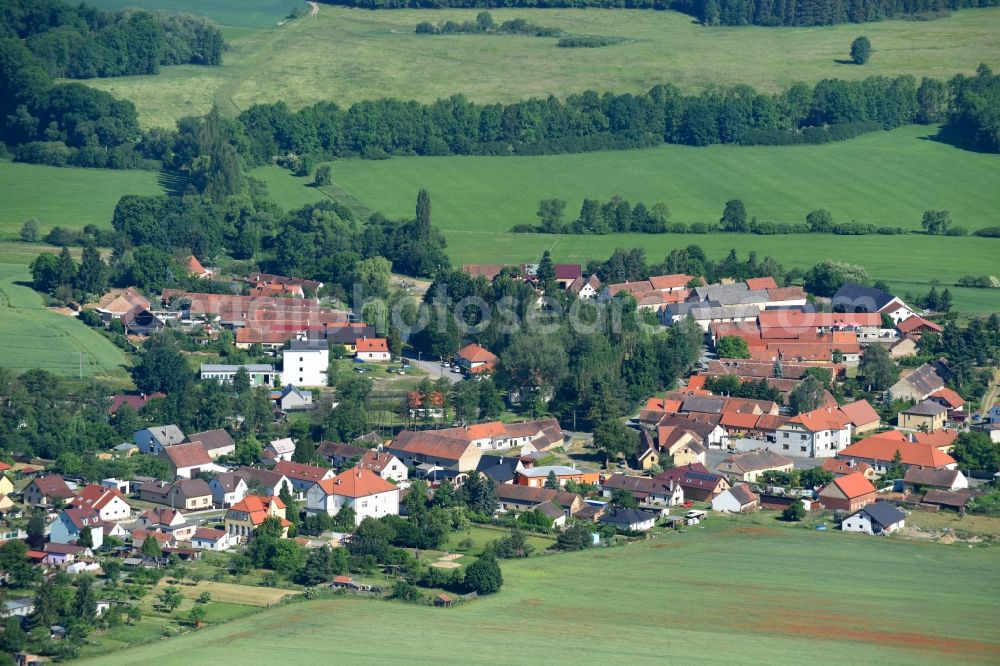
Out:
{"x": 725, "y": 594}
{"x": 236, "y": 13}
{"x": 887, "y": 178}
{"x": 346, "y": 55}
{"x": 65, "y": 196}
{"x": 37, "y": 338}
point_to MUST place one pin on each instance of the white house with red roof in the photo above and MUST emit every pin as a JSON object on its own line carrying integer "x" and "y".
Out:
{"x": 476, "y": 359}
{"x": 386, "y": 465}
{"x": 361, "y": 489}
{"x": 206, "y": 538}
{"x": 373, "y": 349}
{"x": 110, "y": 504}
{"x": 46, "y": 491}
{"x": 302, "y": 476}
{"x": 820, "y": 433}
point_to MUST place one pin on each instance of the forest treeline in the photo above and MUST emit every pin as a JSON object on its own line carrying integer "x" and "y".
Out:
{"x": 78, "y": 41}
{"x": 831, "y": 110}
{"x": 718, "y": 12}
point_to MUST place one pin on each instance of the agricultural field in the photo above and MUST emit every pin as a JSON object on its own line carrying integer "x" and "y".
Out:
{"x": 46, "y": 340}
{"x": 711, "y": 595}
{"x": 65, "y": 196}
{"x": 888, "y": 178}
{"x": 346, "y": 55}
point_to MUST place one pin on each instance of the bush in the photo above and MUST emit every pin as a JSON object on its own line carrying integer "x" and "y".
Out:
{"x": 586, "y": 42}
{"x": 988, "y": 232}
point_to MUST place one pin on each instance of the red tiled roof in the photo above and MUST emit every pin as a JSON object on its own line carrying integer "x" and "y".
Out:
{"x": 95, "y": 497}
{"x": 942, "y": 438}
{"x": 53, "y": 485}
{"x": 854, "y": 485}
{"x": 841, "y": 467}
{"x": 474, "y": 353}
{"x": 208, "y": 534}
{"x": 761, "y": 283}
{"x": 300, "y": 471}
{"x": 190, "y": 454}
{"x": 356, "y": 482}
{"x": 567, "y": 271}
{"x": 257, "y": 507}
{"x": 824, "y": 418}
{"x": 860, "y": 412}
{"x": 915, "y": 322}
{"x": 950, "y": 398}
{"x": 373, "y": 345}
{"x": 883, "y": 448}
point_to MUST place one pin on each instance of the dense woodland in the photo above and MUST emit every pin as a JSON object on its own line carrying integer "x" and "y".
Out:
{"x": 719, "y": 12}
{"x": 79, "y": 42}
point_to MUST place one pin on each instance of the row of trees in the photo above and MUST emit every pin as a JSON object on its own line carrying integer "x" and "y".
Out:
{"x": 79, "y": 42}
{"x": 814, "y": 12}
{"x": 484, "y": 24}
{"x": 589, "y": 121}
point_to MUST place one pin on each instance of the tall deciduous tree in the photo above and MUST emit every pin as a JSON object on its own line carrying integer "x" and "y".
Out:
{"x": 733, "y": 346}
{"x": 734, "y": 217}
{"x": 807, "y": 396}
{"x": 878, "y": 369}
{"x": 615, "y": 438}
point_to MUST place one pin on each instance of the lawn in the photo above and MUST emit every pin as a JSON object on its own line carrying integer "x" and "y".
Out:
{"x": 346, "y": 55}
{"x": 232, "y": 593}
{"x": 712, "y": 595}
{"x": 35, "y": 337}
{"x": 65, "y": 197}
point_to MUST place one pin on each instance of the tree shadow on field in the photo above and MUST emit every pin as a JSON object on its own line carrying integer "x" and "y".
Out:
{"x": 954, "y": 140}
{"x": 174, "y": 183}
{"x": 841, "y": 61}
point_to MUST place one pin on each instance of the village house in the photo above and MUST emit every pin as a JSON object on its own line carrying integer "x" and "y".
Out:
{"x": 339, "y": 454}
{"x": 417, "y": 448}
{"x": 188, "y": 494}
{"x": 848, "y": 493}
{"x": 386, "y": 465}
{"x": 862, "y": 416}
{"x": 155, "y": 440}
{"x": 926, "y": 416}
{"x": 206, "y": 538}
{"x": 631, "y": 520}
{"x": 374, "y": 350}
{"x": 820, "y": 433}
{"x": 751, "y": 465}
{"x": 949, "y": 399}
{"x": 476, "y": 359}
{"x": 305, "y": 363}
{"x": 217, "y": 443}
{"x": 134, "y": 400}
{"x": 877, "y": 518}
{"x": 738, "y": 499}
{"x": 227, "y": 489}
{"x": 163, "y": 539}
{"x": 302, "y": 477}
{"x": 922, "y": 479}
{"x": 186, "y": 460}
{"x": 243, "y": 518}
{"x": 291, "y": 399}
{"x": 46, "y": 491}
{"x": 585, "y": 288}
{"x": 168, "y": 521}
{"x": 60, "y": 554}
{"x": 140, "y": 321}
{"x": 116, "y": 303}
{"x": 921, "y": 383}
{"x": 360, "y": 489}
{"x": 110, "y": 504}
{"x": 914, "y": 327}
{"x": 879, "y": 451}
{"x": 262, "y": 481}
{"x": 646, "y": 491}
{"x": 855, "y": 298}
{"x": 513, "y": 498}
{"x": 278, "y": 450}
{"x": 72, "y": 523}
{"x": 698, "y": 483}
{"x": 535, "y": 477}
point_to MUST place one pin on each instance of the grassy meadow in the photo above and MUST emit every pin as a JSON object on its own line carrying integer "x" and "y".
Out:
{"x": 38, "y": 338}
{"x": 707, "y": 596}
{"x": 65, "y": 196}
{"x": 888, "y": 178}
{"x": 227, "y": 13}
{"x": 346, "y": 55}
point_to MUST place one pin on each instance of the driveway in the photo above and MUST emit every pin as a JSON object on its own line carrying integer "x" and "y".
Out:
{"x": 433, "y": 368}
